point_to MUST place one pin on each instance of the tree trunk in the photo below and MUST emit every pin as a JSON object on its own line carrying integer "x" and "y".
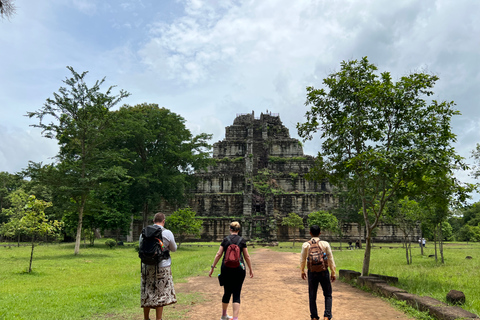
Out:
{"x": 406, "y": 249}
{"x": 435, "y": 240}
{"x": 359, "y": 227}
{"x": 145, "y": 214}
{"x": 440, "y": 244}
{"x": 78, "y": 239}
{"x": 410, "y": 250}
{"x": 368, "y": 250}
{"x": 31, "y": 255}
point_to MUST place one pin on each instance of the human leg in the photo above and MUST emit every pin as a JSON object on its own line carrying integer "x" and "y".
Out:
{"x": 158, "y": 313}
{"x": 327, "y": 293}
{"x": 312, "y": 293}
{"x": 146, "y": 313}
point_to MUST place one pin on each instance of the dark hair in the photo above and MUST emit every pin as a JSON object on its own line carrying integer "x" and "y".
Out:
{"x": 159, "y": 217}
{"x": 315, "y": 230}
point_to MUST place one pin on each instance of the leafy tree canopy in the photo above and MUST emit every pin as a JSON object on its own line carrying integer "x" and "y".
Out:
{"x": 183, "y": 222}
{"x": 323, "y": 219}
{"x": 378, "y": 137}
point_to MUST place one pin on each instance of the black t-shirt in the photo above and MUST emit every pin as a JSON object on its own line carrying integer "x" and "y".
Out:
{"x": 233, "y": 238}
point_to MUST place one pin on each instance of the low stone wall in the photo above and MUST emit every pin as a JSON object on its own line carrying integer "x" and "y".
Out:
{"x": 381, "y": 285}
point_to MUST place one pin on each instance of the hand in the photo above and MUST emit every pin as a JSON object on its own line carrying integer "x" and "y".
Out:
{"x": 251, "y": 273}
{"x": 211, "y": 271}
{"x": 333, "y": 277}
{"x": 304, "y": 275}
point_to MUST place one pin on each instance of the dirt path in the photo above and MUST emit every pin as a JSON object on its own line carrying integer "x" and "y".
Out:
{"x": 278, "y": 292}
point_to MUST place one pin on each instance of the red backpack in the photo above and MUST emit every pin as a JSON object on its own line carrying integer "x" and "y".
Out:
{"x": 232, "y": 255}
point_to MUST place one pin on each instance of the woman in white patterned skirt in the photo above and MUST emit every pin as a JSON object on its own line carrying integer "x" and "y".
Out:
{"x": 157, "y": 282}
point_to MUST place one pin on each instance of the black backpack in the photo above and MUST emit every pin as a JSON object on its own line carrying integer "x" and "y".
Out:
{"x": 152, "y": 250}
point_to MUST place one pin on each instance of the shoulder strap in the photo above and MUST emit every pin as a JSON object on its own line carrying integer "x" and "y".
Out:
{"x": 239, "y": 240}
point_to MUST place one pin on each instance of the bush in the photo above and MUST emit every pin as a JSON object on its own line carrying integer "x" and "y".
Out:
{"x": 110, "y": 243}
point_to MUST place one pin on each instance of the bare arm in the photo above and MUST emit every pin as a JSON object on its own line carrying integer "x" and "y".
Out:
{"x": 218, "y": 255}
{"x": 247, "y": 260}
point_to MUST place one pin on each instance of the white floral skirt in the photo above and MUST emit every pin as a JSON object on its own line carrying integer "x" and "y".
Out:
{"x": 157, "y": 287}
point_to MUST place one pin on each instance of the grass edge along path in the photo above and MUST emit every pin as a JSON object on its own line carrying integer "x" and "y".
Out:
{"x": 425, "y": 276}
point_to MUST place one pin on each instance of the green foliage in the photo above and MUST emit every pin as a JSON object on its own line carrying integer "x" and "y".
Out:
{"x": 229, "y": 160}
{"x": 469, "y": 233}
{"x": 265, "y": 184}
{"x": 293, "y": 220}
{"x": 110, "y": 243}
{"x": 285, "y": 160}
{"x": 382, "y": 140}
{"x": 183, "y": 222}
{"x": 160, "y": 153}
{"x": 78, "y": 118}
{"x": 323, "y": 219}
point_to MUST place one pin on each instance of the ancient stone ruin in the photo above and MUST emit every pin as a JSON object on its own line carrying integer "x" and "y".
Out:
{"x": 258, "y": 177}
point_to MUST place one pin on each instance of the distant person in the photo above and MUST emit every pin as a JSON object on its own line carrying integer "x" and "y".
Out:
{"x": 350, "y": 245}
{"x": 424, "y": 242}
{"x": 157, "y": 283}
{"x": 420, "y": 242}
{"x": 357, "y": 244}
{"x": 232, "y": 277}
{"x": 315, "y": 277}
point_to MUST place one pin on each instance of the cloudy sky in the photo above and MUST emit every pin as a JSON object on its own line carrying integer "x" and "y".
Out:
{"x": 210, "y": 60}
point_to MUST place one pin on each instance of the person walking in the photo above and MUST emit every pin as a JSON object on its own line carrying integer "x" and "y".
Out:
{"x": 157, "y": 282}
{"x": 232, "y": 278}
{"x": 324, "y": 278}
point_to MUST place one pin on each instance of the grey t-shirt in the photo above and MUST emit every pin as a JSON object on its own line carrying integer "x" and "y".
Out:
{"x": 168, "y": 242}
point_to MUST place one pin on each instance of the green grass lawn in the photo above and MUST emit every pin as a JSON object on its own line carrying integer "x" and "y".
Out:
{"x": 424, "y": 276}
{"x": 103, "y": 282}
{"x": 98, "y": 282}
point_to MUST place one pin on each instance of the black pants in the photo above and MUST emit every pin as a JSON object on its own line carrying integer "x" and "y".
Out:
{"x": 233, "y": 281}
{"x": 314, "y": 278}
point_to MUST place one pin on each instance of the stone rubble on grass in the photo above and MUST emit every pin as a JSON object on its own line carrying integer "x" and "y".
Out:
{"x": 436, "y": 308}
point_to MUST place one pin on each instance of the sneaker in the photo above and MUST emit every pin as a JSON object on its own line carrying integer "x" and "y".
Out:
{"x": 227, "y": 317}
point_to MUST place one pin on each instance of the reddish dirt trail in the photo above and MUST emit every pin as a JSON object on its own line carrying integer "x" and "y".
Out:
{"x": 277, "y": 292}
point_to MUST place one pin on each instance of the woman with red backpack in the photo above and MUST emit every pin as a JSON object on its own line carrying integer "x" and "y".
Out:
{"x": 232, "y": 271}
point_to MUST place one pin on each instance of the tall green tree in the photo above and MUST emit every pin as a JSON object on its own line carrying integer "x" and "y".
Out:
{"x": 378, "y": 136}
{"x": 293, "y": 221}
{"x": 78, "y": 117}
{"x": 162, "y": 155}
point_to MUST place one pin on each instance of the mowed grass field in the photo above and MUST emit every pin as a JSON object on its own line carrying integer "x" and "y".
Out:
{"x": 98, "y": 283}
{"x": 425, "y": 276}
{"x": 105, "y": 283}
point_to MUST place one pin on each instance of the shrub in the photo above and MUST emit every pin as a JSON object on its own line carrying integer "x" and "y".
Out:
{"x": 110, "y": 243}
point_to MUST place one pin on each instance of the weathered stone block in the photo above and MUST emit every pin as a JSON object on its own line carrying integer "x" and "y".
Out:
{"x": 387, "y": 290}
{"x": 349, "y": 274}
{"x": 426, "y": 303}
{"x": 451, "y": 313}
{"x": 456, "y": 297}
{"x": 405, "y": 296}
{"x": 362, "y": 280}
{"x": 388, "y": 279}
